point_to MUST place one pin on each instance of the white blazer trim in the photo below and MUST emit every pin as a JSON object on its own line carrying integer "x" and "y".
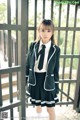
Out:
{"x": 56, "y": 82}
{"x": 30, "y": 69}
{"x": 27, "y": 75}
{"x": 52, "y": 74}
{"x": 46, "y": 72}
{"x": 34, "y": 72}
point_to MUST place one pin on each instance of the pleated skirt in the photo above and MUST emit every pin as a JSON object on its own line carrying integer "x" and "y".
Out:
{"x": 39, "y": 96}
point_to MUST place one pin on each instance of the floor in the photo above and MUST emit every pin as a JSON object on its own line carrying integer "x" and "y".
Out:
{"x": 62, "y": 113}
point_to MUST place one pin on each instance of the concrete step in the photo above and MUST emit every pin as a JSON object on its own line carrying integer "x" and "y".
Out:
{"x": 5, "y": 86}
{"x": 5, "y": 92}
{"x": 5, "y": 80}
{"x": 14, "y": 83}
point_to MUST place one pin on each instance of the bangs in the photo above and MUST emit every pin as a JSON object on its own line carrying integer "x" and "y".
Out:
{"x": 46, "y": 27}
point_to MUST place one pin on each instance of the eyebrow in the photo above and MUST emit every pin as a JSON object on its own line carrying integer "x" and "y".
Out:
{"x": 46, "y": 29}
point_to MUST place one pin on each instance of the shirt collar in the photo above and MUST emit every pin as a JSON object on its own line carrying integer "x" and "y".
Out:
{"x": 47, "y": 44}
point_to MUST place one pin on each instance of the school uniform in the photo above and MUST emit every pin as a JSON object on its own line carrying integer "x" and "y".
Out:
{"x": 43, "y": 83}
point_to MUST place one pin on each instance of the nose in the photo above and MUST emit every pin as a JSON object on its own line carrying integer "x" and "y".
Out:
{"x": 45, "y": 33}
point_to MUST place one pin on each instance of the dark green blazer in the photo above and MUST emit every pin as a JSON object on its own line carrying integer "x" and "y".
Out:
{"x": 52, "y": 75}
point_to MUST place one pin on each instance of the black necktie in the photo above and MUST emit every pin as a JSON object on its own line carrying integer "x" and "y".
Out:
{"x": 41, "y": 60}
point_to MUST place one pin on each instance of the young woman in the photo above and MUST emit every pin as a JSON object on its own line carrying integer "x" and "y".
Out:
{"x": 42, "y": 69}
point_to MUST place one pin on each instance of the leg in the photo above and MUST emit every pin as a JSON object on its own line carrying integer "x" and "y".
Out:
{"x": 51, "y": 112}
{"x": 38, "y": 109}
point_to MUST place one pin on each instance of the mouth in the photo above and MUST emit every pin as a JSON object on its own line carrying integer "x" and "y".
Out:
{"x": 45, "y": 37}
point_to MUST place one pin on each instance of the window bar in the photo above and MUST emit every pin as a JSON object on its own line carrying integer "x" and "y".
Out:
{"x": 65, "y": 46}
{"x": 77, "y": 90}
{"x": 1, "y": 101}
{"x": 66, "y": 95}
{"x": 9, "y": 54}
{"x": 59, "y": 36}
{"x": 5, "y": 43}
{"x": 43, "y": 9}
{"x": 72, "y": 52}
{"x": 9, "y": 50}
{"x": 16, "y": 45}
{"x": 35, "y": 19}
{"x": 22, "y": 42}
{"x": 10, "y": 88}
{"x": 66, "y": 35}
{"x": 59, "y": 21}
{"x": 27, "y": 12}
{"x": 27, "y": 27}
{"x": 11, "y": 114}
{"x": 10, "y": 74}
{"x": 52, "y": 3}
{"x": 9, "y": 35}
{"x": 16, "y": 12}
{"x": 67, "y": 20}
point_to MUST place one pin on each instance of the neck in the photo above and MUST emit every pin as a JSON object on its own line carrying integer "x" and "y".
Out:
{"x": 44, "y": 42}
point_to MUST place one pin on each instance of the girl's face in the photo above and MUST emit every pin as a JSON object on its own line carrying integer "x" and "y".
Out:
{"x": 45, "y": 33}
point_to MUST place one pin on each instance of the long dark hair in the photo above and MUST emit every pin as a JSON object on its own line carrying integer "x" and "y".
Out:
{"x": 47, "y": 24}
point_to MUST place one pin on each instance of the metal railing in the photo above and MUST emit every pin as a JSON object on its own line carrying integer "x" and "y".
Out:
{"x": 9, "y": 48}
{"x": 13, "y": 50}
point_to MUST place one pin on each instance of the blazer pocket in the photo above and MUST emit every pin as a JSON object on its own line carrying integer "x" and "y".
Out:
{"x": 49, "y": 83}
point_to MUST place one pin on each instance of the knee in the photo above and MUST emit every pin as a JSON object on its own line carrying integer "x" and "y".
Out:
{"x": 38, "y": 109}
{"x": 50, "y": 110}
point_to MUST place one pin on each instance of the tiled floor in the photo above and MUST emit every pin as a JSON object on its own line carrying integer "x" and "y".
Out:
{"x": 62, "y": 113}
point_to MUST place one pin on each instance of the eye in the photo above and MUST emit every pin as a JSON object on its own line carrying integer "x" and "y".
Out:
{"x": 42, "y": 30}
{"x": 49, "y": 31}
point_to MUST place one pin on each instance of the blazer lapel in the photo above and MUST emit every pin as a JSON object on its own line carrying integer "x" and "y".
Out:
{"x": 36, "y": 47}
{"x": 51, "y": 52}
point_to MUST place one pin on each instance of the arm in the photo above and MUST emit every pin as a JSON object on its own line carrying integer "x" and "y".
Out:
{"x": 56, "y": 72}
{"x": 28, "y": 58}
{"x": 27, "y": 66}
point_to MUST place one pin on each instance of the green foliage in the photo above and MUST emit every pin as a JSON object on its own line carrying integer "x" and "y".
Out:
{"x": 14, "y": 21}
{"x": 3, "y": 8}
{"x": 60, "y": 41}
{"x": 67, "y": 2}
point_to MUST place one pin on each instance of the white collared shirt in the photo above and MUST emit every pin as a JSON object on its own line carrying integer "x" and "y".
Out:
{"x": 45, "y": 57}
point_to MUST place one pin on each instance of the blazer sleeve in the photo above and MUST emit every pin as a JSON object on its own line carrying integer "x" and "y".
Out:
{"x": 28, "y": 58}
{"x": 56, "y": 71}
{"x": 27, "y": 63}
